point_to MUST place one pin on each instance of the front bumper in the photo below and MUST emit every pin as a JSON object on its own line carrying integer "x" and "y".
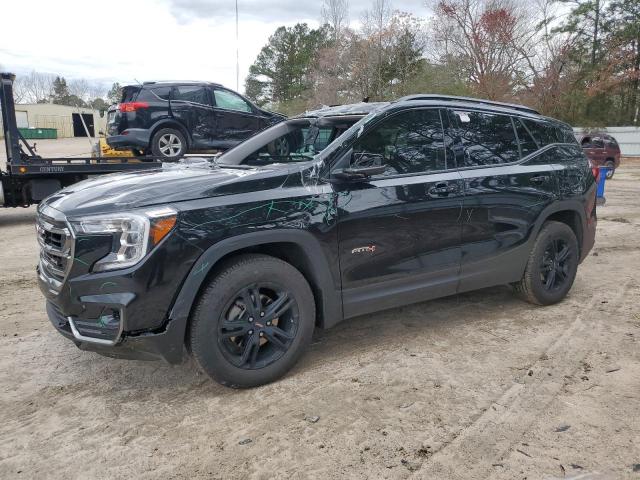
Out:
{"x": 134, "y": 138}
{"x": 166, "y": 345}
{"x": 121, "y": 313}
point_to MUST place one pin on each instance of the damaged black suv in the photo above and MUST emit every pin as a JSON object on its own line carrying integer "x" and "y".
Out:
{"x": 169, "y": 119}
{"x": 236, "y": 261}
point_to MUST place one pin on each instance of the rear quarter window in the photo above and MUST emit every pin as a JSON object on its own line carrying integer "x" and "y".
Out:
{"x": 154, "y": 94}
{"x": 547, "y": 133}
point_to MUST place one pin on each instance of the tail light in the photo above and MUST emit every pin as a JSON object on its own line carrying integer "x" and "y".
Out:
{"x": 594, "y": 170}
{"x": 132, "y": 106}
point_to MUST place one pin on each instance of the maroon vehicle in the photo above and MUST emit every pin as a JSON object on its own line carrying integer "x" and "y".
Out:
{"x": 602, "y": 150}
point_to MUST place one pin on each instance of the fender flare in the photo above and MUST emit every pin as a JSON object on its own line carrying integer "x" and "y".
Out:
{"x": 330, "y": 297}
{"x": 560, "y": 206}
{"x": 169, "y": 122}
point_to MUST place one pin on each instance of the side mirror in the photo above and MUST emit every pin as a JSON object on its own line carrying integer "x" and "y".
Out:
{"x": 363, "y": 166}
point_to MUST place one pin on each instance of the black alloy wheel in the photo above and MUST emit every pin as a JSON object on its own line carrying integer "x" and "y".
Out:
{"x": 252, "y": 321}
{"x": 555, "y": 264}
{"x": 552, "y": 265}
{"x": 258, "y": 326}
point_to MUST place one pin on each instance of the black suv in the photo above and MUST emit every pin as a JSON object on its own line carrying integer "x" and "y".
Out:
{"x": 168, "y": 119}
{"x": 237, "y": 260}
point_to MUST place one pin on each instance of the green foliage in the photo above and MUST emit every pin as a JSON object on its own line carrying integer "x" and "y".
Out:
{"x": 280, "y": 73}
{"x": 585, "y": 71}
{"x": 115, "y": 93}
{"x": 440, "y": 79}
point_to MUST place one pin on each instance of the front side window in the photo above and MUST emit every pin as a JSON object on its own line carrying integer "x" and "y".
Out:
{"x": 231, "y": 101}
{"x": 193, "y": 94}
{"x": 409, "y": 142}
{"x": 484, "y": 138}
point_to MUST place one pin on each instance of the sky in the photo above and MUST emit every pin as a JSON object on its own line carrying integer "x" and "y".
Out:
{"x": 140, "y": 40}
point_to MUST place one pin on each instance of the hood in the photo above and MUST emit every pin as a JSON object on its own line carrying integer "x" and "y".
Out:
{"x": 170, "y": 184}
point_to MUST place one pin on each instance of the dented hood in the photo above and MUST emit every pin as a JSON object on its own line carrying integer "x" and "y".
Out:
{"x": 172, "y": 183}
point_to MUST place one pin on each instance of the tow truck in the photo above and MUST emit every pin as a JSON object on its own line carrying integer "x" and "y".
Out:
{"x": 30, "y": 178}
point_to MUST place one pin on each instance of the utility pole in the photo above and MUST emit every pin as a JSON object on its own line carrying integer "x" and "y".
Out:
{"x": 237, "y": 52}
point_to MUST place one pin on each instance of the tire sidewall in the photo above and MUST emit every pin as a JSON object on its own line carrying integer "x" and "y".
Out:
{"x": 559, "y": 231}
{"x": 204, "y": 329}
{"x": 155, "y": 143}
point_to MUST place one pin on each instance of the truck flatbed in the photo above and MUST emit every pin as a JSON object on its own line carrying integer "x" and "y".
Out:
{"x": 29, "y": 178}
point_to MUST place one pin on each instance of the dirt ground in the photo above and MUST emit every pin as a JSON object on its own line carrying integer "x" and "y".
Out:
{"x": 474, "y": 386}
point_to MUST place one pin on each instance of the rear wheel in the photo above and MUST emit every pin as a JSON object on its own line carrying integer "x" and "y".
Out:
{"x": 611, "y": 168}
{"x": 552, "y": 265}
{"x": 252, "y": 322}
{"x": 168, "y": 143}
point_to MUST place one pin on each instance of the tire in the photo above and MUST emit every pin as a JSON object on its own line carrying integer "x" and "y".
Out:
{"x": 280, "y": 147}
{"x": 612, "y": 169}
{"x": 539, "y": 285}
{"x": 228, "y": 337}
{"x": 168, "y": 143}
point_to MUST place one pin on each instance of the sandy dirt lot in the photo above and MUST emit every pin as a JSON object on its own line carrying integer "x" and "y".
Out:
{"x": 474, "y": 386}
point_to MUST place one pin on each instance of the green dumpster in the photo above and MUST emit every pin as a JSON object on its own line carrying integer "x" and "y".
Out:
{"x": 39, "y": 133}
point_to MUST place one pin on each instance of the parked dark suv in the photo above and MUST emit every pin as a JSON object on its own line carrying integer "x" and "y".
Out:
{"x": 236, "y": 261}
{"x": 168, "y": 119}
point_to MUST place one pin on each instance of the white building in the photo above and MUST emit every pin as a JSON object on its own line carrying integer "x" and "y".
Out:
{"x": 66, "y": 120}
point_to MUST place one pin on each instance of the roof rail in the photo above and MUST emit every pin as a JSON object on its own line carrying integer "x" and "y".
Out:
{"x": 451, "y": 98}
{"x": 185, "y": 82}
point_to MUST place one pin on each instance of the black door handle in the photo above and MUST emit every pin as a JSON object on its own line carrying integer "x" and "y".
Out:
{"x": 539, "y": 179}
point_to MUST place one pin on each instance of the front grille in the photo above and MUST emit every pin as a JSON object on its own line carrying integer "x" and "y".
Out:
{"x": 56, "y": 250}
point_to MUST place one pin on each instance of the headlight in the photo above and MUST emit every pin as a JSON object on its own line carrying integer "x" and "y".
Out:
{"x": 135, "y": 234}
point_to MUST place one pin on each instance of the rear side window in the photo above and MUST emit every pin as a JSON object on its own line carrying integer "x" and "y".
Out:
{"x": 486, "y": 138}
{"x": 546, "y": 133}
{"x": 231, "y": 101}
{"x": 409, "y": 142}
{"x": 195, "y": 94}
{"x": 162, "y": 92}
{"x": 527, "y": 144}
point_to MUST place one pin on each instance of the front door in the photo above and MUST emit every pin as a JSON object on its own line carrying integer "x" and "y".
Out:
{"x": 235, "y": 119}
{"x": 399, "y": 232}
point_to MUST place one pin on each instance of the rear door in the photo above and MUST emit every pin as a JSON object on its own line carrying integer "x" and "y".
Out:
{"x": 506, "y": 185}
{"x": 400, "y": 232}
{"x": 192, "y": 106}
{"x": 236, "y": 119}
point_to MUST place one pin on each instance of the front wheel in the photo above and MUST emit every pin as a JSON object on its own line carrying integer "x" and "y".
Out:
{"x": 252, "y": 322}
{"x": 552, "y": 265}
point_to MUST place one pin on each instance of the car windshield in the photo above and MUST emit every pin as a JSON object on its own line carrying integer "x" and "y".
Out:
{"x": 294, "y": 140}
